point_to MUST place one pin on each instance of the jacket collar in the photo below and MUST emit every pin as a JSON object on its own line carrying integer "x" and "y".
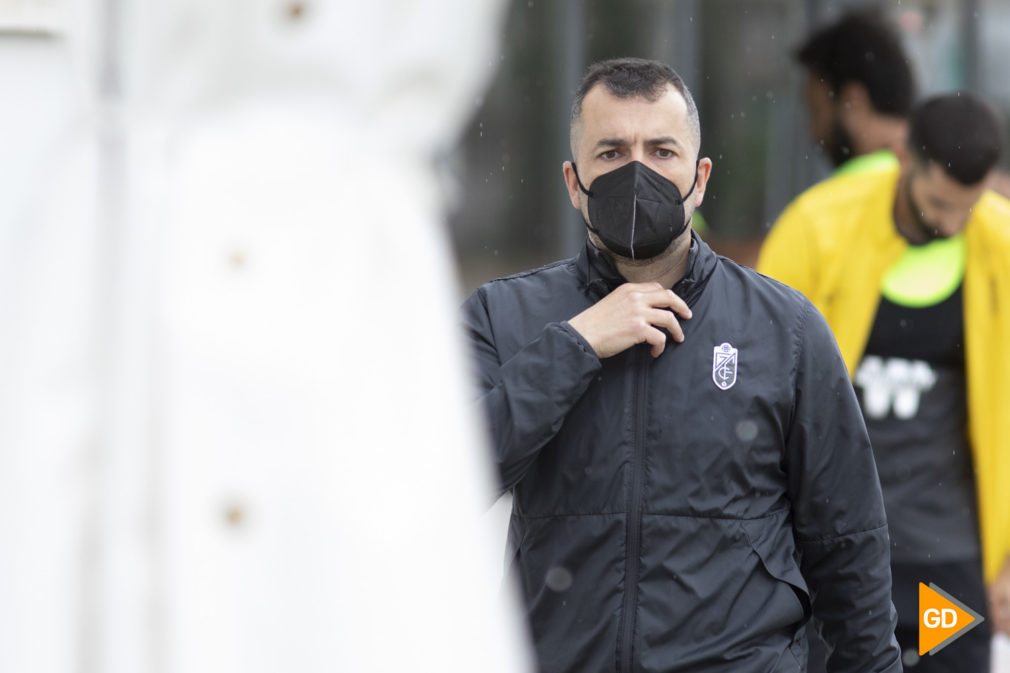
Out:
{"x": 599, "y": 274}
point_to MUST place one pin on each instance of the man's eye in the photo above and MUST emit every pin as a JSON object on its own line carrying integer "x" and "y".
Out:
{"x": 609, "y": 154}
{"x": 664, "y": 153}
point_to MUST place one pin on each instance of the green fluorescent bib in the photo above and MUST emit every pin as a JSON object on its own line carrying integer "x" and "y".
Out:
{"x": 926, "y": 274}
{"x": 874, "y": 161}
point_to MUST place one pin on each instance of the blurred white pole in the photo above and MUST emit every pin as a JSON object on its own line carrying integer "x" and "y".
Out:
{"x": 235, "y": 430}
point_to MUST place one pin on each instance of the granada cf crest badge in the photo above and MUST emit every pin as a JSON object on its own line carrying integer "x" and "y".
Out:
{"x": 724, "y": 364}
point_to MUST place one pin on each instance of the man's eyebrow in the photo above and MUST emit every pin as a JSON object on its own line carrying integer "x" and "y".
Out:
{"x": 610, "y": 142}
{"x": 620, "y": 142}
{"x": 664, "y": 140}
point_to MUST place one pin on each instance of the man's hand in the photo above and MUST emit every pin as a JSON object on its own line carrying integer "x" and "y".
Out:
{"x": 632, "y": 314}
{"x": 999, "y": 600}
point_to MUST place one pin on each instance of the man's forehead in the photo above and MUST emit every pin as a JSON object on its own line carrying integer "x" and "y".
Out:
{"x": 607, "y": 115}
{"x": 601, "y": 97}
{"x": 944, "y": 185}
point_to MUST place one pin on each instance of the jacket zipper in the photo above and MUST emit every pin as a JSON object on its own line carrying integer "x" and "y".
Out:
{"x": 635, "y": 505}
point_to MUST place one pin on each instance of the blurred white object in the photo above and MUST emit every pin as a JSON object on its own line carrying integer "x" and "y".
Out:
{"x": 234, "y": 429}
{"x": 33, "y": 17}
{"x": 1000, "y": 654}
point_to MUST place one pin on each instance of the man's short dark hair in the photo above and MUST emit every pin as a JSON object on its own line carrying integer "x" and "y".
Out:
{"x": 862, "y": 47}
{"x": 635, "y": 77}
{"x": 960, "y": 132}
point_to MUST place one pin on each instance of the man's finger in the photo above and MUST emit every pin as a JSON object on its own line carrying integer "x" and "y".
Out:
{"x": 669, "y": 299}
{"x": 656, "y": 339}
{"x": 660, "y": 317}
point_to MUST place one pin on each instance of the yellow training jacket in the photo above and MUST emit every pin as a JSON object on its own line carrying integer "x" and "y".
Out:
{"x": 835, "y": 242}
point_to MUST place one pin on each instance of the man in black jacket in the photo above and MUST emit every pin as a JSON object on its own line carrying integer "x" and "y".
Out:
{"x": 691, "y": 475}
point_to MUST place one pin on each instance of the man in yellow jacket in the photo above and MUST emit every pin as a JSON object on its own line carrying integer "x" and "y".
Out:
{"x": 911, "y": 268}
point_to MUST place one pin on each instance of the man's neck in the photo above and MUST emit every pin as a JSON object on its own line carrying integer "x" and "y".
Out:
{"x": 880, "y": 133}
{"x": 666, "y": 269}
{"x": 904, "y": 219}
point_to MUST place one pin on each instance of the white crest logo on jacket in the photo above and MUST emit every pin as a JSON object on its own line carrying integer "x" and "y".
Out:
{"x": 724, "y": 365}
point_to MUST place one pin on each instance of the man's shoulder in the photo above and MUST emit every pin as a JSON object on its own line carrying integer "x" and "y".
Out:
{"x": 549, "y": 276}
{"x": 772, "y": 309}
{"x": 781, "y": 301}
{"x": 547, "y": 270}
{"x": 562, "y": 268}
{"x": 993, "y": 213}
{"x": 839, "y": 209}
{"x": 846, "y": 190}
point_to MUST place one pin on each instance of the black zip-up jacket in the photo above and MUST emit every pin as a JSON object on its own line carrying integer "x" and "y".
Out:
{"x": 688, "y": 512}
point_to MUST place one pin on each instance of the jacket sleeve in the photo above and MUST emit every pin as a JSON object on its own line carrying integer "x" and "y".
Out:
{"x": 838, "y": 511}
{"x": 527, "y": 397}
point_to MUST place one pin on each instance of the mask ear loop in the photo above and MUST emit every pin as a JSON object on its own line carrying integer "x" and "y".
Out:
{"x": 694, "y": 183}
{"x": 587, "y": 193}
{"x": 584, "y": 190}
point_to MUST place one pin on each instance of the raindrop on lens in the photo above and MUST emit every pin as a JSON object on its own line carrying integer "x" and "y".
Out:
{"x": 558, "y": 579}
{"x": 746, "y": 430}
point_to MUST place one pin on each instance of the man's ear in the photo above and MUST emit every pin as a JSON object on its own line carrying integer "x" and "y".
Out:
{"x": 704, "y": 173}
{"x": 572, "y": 183}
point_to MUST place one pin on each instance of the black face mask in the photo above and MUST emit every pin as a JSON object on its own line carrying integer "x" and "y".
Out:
{"x": 635, "y": 211}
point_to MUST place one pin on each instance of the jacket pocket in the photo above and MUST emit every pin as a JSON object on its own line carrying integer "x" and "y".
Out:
{"x": 771, "y": 538}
